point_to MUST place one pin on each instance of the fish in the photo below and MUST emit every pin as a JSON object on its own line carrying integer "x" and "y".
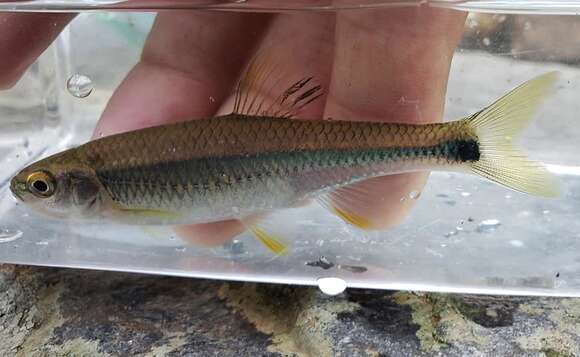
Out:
{"x": 261, "y": 158}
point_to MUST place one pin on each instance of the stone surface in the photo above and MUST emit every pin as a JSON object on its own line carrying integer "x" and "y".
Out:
{"x": 64, "y": 312}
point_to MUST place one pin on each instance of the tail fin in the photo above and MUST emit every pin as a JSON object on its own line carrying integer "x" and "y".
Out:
{"x": 498, "y": 124}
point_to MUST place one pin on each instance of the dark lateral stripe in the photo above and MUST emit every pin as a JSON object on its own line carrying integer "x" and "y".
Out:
{"x": 225, "y": 171}
{"x": 467, "y": 150}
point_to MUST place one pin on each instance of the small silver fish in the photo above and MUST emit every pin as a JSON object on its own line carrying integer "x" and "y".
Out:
{"x": 260, "y": 160}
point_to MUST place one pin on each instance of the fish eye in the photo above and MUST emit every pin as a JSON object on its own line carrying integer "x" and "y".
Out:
{"x": 41, "y": 184}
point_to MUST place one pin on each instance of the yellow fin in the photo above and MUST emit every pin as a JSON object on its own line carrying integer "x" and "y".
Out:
{"x": 496, "y": 126}
{"x": 343, "y": 203}
{"x": 257, "y": 92}
{"x": 270, "y": 241}
{"x": 352, "y": 218}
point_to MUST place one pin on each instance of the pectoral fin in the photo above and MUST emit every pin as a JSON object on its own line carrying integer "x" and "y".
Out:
{"x": 270, "y": 241}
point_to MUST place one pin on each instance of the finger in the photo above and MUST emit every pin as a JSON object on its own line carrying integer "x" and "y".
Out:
{"x": 23, "y": 37}
{"x": 295, "y": 46}
{"x": 392, "y": 66}
{"x": 188, "y": 67}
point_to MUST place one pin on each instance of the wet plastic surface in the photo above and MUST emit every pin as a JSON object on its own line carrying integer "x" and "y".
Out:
{"x": 562, "y": 7}
{"x": 464, "y": 235}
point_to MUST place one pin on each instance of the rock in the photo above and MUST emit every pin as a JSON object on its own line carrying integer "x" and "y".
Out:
{"x": 65, "y": 312}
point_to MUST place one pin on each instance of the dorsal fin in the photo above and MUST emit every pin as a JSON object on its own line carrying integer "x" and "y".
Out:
{"x": 258, "y": 91}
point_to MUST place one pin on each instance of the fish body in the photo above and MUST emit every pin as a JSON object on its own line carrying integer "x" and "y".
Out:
{"x": 244, "y": 164}
{"x": 236, "y": 165}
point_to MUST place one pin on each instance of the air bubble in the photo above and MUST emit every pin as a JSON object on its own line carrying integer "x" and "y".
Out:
{"x": 472, "y": 23}
{"x": 322, "y": 262}
{"x": 488, "y": 225}
{"x": 235, "y": 246}
{"x": 331, "y": 286}
{"x": 517, "y": 243}
{"x": 357, "y": 269}
{"x": 414, "y": 195}
{"x": 9, "y": 234}
{"x": 450, "y": 234}
{"x": 79, "y": 86}
{"x": 465, "y": 194}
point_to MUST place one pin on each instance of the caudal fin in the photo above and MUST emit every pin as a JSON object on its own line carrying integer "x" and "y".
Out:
{"x": 498, "y": 125}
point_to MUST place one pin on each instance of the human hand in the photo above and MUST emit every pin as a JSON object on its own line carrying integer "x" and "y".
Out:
{"x": 23, "y": 37}
{"x": 388, "y": 65}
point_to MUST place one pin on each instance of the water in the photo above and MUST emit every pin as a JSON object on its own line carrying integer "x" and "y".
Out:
{"x": 488, "y": 225}
{"x": 462, "y": 234}
{"x": 9, "y": 234}
{"x": 322, "y": 262}
{"x": 235, "y": 246}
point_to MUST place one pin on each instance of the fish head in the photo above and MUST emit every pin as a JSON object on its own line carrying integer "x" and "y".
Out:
{"x": 61, "y": 186}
